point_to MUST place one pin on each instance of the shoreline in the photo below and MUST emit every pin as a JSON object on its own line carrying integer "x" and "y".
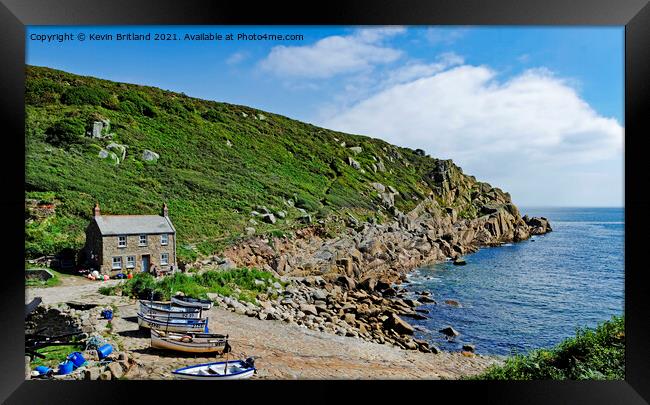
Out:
{"x": 351, "y": 284}
{"x": 285, "y": 351}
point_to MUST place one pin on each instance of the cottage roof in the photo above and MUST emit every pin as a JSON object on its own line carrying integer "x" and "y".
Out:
{"x": 133, "y": 224}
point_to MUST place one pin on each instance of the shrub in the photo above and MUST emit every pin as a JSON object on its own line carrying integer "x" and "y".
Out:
{"x": 593, "y": 354}
{"x": 213, "y": 116}
{"x": 173, "y": 106}
{"x": 307, "y": 204}
{"x": 41, "y": 91}
{"x": 323, "y": 213}
{"x": 80, "y": 95}
{"x": 66, "y": 132}
{"x": 133, "y": 102}
{"x": 221, "y": 282}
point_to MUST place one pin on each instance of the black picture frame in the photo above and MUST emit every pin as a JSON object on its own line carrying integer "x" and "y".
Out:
{"x": 633, "y": 14}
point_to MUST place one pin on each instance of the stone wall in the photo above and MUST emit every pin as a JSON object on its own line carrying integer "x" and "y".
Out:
{"x": 154, "y": 249}
{"x": 51, "y": 321}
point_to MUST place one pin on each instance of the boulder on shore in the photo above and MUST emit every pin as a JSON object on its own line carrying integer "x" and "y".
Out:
{"x": 449, "y": 331}
{"x": 397, "y": 324}
{"x": 469, "y": 348}
{"x": 452, "y": 303}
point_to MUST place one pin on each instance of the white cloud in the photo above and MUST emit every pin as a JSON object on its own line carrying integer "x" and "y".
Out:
{"x": 527, "y": 135}
{"x": 375, "y": 34}
{"x": 444, "y": 35}
{"x": 334, "y": 55}
{"x": 415, "y": 70}
{"x": 236, "y": 58}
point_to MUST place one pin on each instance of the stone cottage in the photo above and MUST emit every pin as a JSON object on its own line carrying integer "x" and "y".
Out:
{"x": 121, "y": 243}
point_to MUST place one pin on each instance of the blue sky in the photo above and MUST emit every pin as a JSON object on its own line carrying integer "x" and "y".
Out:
{"x": 537, "y": 111}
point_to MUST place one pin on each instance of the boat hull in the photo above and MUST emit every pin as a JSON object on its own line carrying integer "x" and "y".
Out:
{"x": 172, "y": 324}
{"x": 169, "y": 310}
{"x": 187, "y": 343}
{"x": 237, "y": 370}
{"x": 201, "y": 304}
{"x": 246, "y": 375}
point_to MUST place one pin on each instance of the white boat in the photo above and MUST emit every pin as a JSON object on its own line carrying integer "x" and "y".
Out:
{"x": 171, "y": 324}
{"x": 190, "y": 342}
{"x": 191, "y": 302}
{"x": 224, "y": 370}
{"x": 167, "y": 308}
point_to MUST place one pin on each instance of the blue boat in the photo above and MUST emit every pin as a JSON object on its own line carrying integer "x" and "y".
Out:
{"x": 171, "y": 324}
{"x": 223, "y": 370}
{"x": 167, "y": 308}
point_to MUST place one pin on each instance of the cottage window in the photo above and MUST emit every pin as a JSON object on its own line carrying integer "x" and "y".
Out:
{"x": 143, "y": 240}
{"x": 164, "y": 239}
{"x": 164, "y": 259}
{"x": 130, "y": 262}
{"x": 117, "y": 262}
{"x": 121, "y": 241}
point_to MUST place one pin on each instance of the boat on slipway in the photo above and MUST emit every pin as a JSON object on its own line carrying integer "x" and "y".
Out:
{"x": 169, "y": 323}
{"x": 168, "y": 308}
{"x": 190, "y": 342}
{"x": 191, "y": 302}
{"x": 223, "y": 370}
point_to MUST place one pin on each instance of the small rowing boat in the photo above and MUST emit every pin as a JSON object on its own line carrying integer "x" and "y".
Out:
{"x": 167, "y": 308}
{"x": 224, "y": 370}
{"x": 191, "y": 302}
{"x": 190, "y": 342}
{"x": 173, "y": 324}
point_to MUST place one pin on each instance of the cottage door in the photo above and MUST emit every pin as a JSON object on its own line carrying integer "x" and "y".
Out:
{"x": 145, "y": 263}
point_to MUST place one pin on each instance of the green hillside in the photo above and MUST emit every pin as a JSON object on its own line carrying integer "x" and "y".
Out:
{"x": 218, "y": 162}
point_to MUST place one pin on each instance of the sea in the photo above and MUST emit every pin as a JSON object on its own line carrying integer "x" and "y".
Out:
{"x": 532, "y": 294}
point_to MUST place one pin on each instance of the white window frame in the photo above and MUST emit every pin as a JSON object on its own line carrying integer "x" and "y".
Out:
{"x": 117, "y": 264}
{"x": 164, "y": 239}
{"x": 164, "y": 259}
{"x": 119, "y": 241}
{"x": 140, "y": 240}
{"x": 130, "y": 264}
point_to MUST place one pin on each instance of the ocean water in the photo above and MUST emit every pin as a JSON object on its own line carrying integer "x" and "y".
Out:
{"x": 532, "y": 294}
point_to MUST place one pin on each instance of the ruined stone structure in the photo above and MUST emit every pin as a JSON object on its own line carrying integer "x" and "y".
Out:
{"x": 121, "y": 243}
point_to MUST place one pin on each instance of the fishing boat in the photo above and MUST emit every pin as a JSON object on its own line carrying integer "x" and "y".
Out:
{"x": 224, "y": 370}
{"x": 190, "y": 342}
{"x": 191, "y": 302}
{"x": 167, "y": 308}
{"x": 171, "y": 324}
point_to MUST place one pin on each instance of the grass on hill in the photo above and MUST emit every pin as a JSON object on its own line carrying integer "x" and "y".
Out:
{"x": 238, "y": 283}
{"x": 218, "y": 162}
{"x": 593, "y": 354}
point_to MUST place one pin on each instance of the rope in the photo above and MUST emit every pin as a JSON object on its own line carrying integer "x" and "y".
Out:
{"x": 95, "y": 342}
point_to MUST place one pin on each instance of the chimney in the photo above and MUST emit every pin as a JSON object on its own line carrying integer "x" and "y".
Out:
{"x": 165, "y": 210}
{"x": 96, "y": 212}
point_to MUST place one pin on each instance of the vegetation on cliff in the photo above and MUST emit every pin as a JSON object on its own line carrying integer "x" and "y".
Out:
{"x": 217, "y": 163}
{"x": 593, "y": 354}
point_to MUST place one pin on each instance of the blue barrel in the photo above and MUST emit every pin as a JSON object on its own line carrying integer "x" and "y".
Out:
{"x": 77, "y": 359}
{"x": 104, "y": 351}
{"x": 66, "y": 367}
{"x": 43, "y": 370}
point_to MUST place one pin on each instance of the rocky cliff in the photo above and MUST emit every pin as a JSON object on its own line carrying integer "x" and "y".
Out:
{"x": 349, "y": 284}
{"x": 229, "y": 172}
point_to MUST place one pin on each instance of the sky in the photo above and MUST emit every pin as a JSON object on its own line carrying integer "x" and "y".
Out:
{"x": 535, "y": 111}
